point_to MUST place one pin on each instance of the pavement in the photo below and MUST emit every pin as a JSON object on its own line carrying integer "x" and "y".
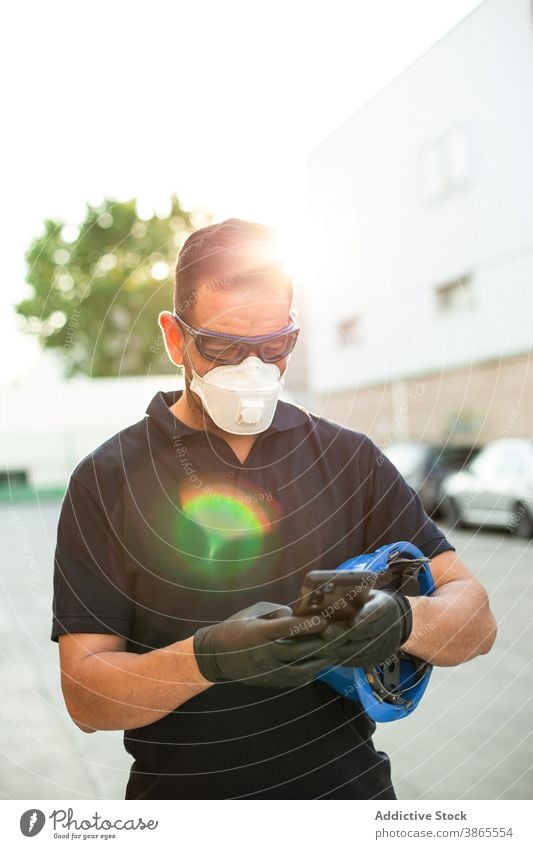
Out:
{"x": 471, "y": 738}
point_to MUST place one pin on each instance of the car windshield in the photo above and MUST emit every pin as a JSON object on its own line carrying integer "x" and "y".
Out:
{"x": 406, "y": 456}
{"x": 493, "y": 459}
{"x": 504, "y": 458}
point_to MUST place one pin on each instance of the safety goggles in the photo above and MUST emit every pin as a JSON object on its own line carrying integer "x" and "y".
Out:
{"x": 229, "y": 350}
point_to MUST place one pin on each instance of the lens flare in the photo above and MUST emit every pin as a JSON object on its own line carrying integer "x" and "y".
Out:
{"x": 224, "y": 521}
{"x": 222, "y": 531}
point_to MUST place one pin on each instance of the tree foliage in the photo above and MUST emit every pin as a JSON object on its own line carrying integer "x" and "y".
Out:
{"x": 95, "y": 294}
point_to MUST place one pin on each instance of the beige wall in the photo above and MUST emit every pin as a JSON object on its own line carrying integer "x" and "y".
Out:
{"x": 485, "y": 402}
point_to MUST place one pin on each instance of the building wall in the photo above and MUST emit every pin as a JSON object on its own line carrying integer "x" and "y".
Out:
{"x": 50, "y": 425}
{"x": 428, "y": 186}
{"x": 464, "y": 406}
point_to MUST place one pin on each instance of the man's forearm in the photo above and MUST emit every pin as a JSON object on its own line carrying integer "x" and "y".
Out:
{"x": 122, "y": 690}
{"x": 453, "y": 625}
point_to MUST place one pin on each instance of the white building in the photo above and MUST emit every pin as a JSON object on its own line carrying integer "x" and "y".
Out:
{"x": 423, "y": 207}
{"x": 49, "y": 424}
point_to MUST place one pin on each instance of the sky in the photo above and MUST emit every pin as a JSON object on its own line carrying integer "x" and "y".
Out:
{"x": 219, "y": 102}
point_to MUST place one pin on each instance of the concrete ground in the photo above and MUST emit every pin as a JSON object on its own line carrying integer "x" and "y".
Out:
{"x": 470, "y": 738}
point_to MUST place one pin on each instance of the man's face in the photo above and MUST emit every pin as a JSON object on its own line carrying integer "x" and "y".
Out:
{"x": 239, "y": 310}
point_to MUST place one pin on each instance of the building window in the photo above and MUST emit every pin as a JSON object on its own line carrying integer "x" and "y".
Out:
{"x": 14, "y": 478}
{"x": 455, "y": 295}
{"x": 445, "y": 165}
{"x": 349, "y": 332}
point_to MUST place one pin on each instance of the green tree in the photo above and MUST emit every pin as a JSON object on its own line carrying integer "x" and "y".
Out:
{"x": 96, "y": 292}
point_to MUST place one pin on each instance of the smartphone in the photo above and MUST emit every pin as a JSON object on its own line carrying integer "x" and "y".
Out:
{"x": 334, "y": 594}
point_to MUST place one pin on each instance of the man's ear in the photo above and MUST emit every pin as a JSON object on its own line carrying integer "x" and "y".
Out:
{"x": 172, "y": 336}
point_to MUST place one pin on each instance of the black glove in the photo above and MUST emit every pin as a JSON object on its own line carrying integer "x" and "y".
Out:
{"x": 374, "y": 633}
{"x": 244, "y": 648}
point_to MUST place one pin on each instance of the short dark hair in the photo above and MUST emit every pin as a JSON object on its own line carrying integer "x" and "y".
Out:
{"x": 234, "y": 252}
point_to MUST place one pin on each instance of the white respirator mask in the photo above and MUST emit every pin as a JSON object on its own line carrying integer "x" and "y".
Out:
{"x": 241, "y": 399}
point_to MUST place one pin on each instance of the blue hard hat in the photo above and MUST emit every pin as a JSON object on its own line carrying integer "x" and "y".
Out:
{"x": 393, "y": 690}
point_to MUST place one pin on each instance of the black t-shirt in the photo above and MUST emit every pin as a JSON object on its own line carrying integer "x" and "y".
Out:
{"x": 163, "y": 531}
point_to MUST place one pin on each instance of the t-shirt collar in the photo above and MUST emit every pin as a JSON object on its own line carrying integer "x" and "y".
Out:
{"x": 286, "y": 416}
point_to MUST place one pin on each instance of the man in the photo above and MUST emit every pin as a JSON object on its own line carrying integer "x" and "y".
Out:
{"x": 184, "y": 538}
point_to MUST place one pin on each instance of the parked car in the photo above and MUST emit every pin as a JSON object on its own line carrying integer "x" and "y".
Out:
{"x": 496, "y": 489}
{"x": 425, "y": 466}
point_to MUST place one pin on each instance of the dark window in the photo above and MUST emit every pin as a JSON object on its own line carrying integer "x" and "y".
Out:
{"x": 455, "y": 295}
{"x": 349, "y": 331}
{"x": 14, "y": 478}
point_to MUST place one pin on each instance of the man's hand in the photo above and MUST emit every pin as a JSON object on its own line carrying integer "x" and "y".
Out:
{"x": 374, "y": 634}
{"x": 244, "y": 648}
{"x": 456, "y": 623}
